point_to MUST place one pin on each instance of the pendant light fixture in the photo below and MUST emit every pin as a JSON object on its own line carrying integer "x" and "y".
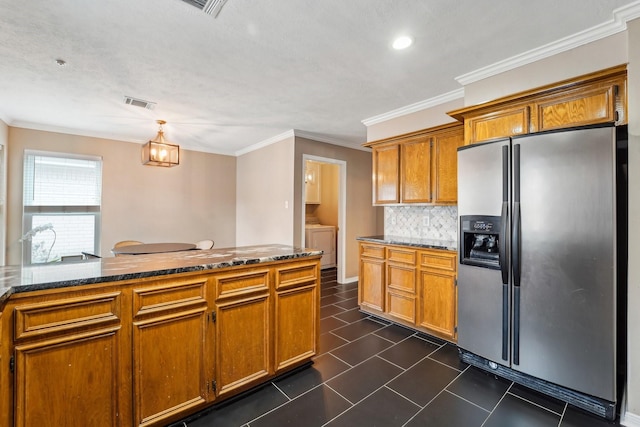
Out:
{"x": 158, "y": 152}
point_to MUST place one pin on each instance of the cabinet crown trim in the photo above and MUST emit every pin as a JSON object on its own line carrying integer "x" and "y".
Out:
{"x": 527, "y": 95}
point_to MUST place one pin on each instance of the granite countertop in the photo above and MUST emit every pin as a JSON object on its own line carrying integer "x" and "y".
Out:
{"x": 14, "y": 279}
{"x": 449, "y": 245}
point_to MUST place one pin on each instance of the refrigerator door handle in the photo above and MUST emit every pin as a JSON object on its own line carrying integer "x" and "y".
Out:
{"x": 515, "y": 254}
{"x": 504, "y": 250}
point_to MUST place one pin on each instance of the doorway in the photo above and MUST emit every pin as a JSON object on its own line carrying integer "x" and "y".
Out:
{"x": 328, "y": 179}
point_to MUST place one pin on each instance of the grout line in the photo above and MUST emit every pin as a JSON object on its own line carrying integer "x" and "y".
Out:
{"x": 564, "y": 411}
{"x": 400, "y": 394}
{"x": 499, "y": 401}
{"x": 339, "y": 394}
{"x": 467, "y": 400}
{"x": 281, "y": 391}
{"x": 536, "y": 404}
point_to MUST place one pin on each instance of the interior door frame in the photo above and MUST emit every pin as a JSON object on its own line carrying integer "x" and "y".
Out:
{"x": 342, "y": 211}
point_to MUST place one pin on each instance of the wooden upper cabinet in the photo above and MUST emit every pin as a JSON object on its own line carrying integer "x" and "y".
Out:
{"x": 444, "y": 173}
{"x": 386, "y": 163}
{"x": 508, "y": 121}
{"x": 599, "y": 97}
{"x": 418, "y": 167}
{"x": 415, "y": 175}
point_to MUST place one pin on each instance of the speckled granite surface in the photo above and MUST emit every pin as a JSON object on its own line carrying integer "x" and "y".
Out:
{"x": 15, "y": 279}
{"x": 449, "y": 245}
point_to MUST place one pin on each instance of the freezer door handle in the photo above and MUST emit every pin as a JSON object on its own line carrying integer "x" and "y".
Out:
{"x": 505, "y": 321}
{"x": 504, "y": 247}
{"x": 515, "y": 247}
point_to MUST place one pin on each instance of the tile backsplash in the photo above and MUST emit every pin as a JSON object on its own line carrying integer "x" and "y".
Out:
{"x": 423, "y": 222}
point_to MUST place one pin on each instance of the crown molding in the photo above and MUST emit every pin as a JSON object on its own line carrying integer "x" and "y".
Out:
{"x": 266, "y": 142}
{"x": 617, "y": 24}
{"x": 327, "y": 140}
{"x": 414, "y": 108}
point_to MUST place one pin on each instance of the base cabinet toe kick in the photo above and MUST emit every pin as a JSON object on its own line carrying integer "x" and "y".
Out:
{"x": 152, "y": 351}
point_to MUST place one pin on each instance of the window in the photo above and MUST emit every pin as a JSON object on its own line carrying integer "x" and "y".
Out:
{"x": 61, "y": 205}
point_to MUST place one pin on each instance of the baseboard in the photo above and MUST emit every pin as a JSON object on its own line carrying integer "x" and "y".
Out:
{"x": 630, "y": 419}
{"x": 349, "y": 280}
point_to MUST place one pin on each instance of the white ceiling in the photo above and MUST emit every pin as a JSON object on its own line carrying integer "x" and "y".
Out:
{"x": 261, "y": 68}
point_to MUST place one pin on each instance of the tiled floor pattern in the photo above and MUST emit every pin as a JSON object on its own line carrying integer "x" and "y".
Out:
{"x": 372, "y": 373}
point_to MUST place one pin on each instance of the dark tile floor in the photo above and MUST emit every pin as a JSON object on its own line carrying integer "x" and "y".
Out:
{"x": 372, "y": 373}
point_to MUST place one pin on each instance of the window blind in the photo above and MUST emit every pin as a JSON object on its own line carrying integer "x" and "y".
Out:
{"x": 61, "y": 205}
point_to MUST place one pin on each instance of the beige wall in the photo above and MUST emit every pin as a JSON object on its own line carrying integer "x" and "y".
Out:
{"x": 362, "y": 219}
{"x": 418, "y": 120}
{"x": 633, "y": 312}
{"x": 186, "y": 203}
{"x": 327, "y": 211}
{"x": 265, "y": 195}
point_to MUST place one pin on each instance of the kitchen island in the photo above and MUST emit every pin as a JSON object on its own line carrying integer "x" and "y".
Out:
{"x": 148, "y": 339}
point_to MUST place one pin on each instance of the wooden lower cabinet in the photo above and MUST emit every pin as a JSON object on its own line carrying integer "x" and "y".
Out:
{"x": 169, "y": 315}
{"x": 419, "y": 287}
{"x": 438, "y": 303}
{"x": 150, "y": 352}
{"x": 297, "y": 308}
{"x": 371, "y": 284}
{"x": 80, "y": 371}
{"x": 242, "y": 347}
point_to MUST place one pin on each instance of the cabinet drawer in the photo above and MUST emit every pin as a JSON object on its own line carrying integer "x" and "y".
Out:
{"x": 401, "y": 306}
{"x": 237, "y": 284}
{"x": 401, "y": 277}
{"x": 439, "y": 260}
{"x": 296, "y": 275}
{"x": 170, "y": 295}
{"x": 67, "y": 315}
{"x": 405, "y": 256}
{"x": 372, "y": 251}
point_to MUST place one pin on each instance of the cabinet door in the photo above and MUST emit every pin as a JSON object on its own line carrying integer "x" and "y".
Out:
{"x": 297, "y": 314}
{"x": 170, "y": 365}
{"x": 68, "y": 367}
{"x": 386, "y": 163}
{"x": 596, "y": 103}
{"x": 509, "y": 121}
{"x": 371, "y": 284}
{"x": 438, "y": 302}
{"x": 242, "y": 330}
{"x": 79, "y": 371}
{"x": 415, "y": 175}
{"x": 445, "y": 166}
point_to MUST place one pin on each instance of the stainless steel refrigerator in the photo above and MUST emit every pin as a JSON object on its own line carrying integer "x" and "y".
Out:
{"x": 540, "y": 235}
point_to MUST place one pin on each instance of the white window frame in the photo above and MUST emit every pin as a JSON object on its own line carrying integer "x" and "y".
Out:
{"x": 29, "y": 211}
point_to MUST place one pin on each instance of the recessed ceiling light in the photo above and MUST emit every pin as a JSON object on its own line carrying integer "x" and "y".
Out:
{"x": 402, "y": 42}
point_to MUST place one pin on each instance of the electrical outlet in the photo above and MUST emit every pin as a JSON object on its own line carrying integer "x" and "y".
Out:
{"x": 426, "y": 220}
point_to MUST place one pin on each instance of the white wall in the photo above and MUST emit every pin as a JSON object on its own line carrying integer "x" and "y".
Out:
{"x": 633, "y": 318}
{"x": 604, "y": 53}
{"x": 186, "y": 203}
{"x": 265, "y": 195}
{"x": 418, "y": 120}
{"x": 4, "y": 140}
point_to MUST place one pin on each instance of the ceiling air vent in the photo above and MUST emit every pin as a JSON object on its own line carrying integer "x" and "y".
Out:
{"x": 211, "y": 7}
{"x": 139, "y": 103}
